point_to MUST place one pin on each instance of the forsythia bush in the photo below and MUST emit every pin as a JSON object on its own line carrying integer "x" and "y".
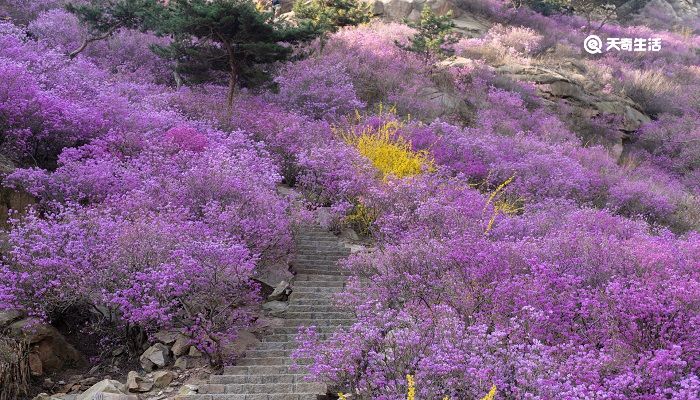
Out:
{"x": 389, "y": 152}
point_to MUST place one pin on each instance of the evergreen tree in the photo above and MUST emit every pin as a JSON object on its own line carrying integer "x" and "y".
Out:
{"x": 327, "y": 16}
{"x": 230, "y": 36}
{"x": 105, "y": 17}
{"x": 434, "y": 32}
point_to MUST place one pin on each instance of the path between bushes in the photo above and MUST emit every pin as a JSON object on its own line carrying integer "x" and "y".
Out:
{"x": 267, "y": 373}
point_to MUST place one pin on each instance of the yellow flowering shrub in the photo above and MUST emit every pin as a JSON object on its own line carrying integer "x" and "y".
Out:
{"x": 390, "y": 153}
{"x": 361, "y": 219}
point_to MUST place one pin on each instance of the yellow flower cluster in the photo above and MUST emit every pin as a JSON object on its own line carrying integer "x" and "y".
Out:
{"x": 390, "y": 153}
{"x": 361, "y": 219}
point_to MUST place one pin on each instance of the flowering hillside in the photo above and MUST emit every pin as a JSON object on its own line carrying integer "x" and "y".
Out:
{"x": 532, "y": 211}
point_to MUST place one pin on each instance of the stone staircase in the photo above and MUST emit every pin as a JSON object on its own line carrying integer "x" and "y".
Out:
{"x": 267, "y": 373}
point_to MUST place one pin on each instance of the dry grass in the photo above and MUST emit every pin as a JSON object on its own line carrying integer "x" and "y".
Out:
{"x": 14, "y": 368}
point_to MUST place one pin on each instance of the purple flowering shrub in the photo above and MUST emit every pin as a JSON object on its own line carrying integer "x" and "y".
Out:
{"x": 126, "y": 53}
{"x": 318, "y": 88}
{"x": 556, "y": 302}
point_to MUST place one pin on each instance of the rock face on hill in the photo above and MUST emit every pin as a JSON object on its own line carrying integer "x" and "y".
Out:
{"x": 674, "y": 11}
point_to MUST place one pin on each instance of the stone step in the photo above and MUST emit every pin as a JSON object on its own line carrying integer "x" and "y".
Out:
{"x": 318, "y": 314}
{"x": 248, "y": 378}
{"x": 321, "y": 244}
{"x": 258, "y": 396}
{"x": 316, "y": 307}
{"x": 317, "y": 322}
{"x": 263, "y": 388}
{"x": 316, "y": 238}
{"x": 318, "y": 290}
{"x": 310, "y": 301}
{"x": 269, "y": 353}
{"x": 310, "y": 270}
{"x": 272, "y": 361}
{"x": 322, "y": 296}
{"x": 317, "y": 257}
{"x": 292, "y": 330}
{"x": 246, "y": 370}
{"x": 319, "y": 278}
{"x": 319, "y": 284}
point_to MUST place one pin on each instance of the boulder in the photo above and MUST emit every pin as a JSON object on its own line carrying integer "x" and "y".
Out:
{"x": 166, "y": 337}
{"x": 103, "y": 387}
{"x": 156, "y": 356}
{"x": 181, "y": 345}
{"x": 244, "y": 340}
{"x": 162, "y": 379}
{"x": 49, "y": 349}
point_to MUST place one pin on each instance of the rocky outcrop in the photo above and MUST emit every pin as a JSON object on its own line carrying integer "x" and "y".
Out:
{"x": 49, "y": 350}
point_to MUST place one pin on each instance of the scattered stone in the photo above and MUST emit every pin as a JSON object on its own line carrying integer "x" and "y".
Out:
{"x": 136, "y": 383}
{"x": 156, "y": 356}
{"x": 103, "y": 387}
{"x": 181, "y": 345}
{"x": 87, "y": 382}
{"x": 162, "y": 379}
{"x": 281, "y": 292}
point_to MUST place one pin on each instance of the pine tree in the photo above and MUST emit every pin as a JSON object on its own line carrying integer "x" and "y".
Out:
{"x": 327, "y": 16}
{"x": 230, "y": 36}
{"x": 434, "y": 32}
{"x": 103, "y": 18}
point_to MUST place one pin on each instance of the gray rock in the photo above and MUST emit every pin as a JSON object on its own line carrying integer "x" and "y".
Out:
{"x": 156, "y": 356}
{"x": 166, "y": 337}
{"x": 181, "y": 345}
